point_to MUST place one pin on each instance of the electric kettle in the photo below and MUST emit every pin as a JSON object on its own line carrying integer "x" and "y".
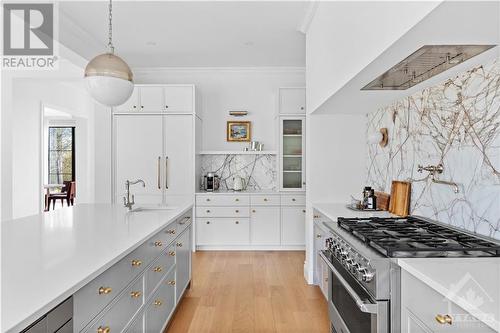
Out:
{"x": 238, "y": 183}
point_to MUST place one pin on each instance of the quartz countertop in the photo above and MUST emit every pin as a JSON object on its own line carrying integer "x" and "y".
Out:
{"x": 471, "y": 283}
{"x": 48, "y": 257}
{"x": 336, "y": 210}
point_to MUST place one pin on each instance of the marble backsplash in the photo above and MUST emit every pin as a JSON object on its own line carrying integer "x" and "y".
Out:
{"x": 259, "y": 171}
{"x": 456, "y": 123}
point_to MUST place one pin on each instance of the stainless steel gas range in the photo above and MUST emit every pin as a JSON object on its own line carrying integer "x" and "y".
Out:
{"x": 364, "y": 279}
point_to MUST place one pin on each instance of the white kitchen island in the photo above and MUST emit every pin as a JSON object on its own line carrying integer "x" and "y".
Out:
{"x": 46, "y": 258}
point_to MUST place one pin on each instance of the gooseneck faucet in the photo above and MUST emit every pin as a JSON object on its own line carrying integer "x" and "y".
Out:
{"x": 437, "y": 169}
{"x": 129, "y": 199}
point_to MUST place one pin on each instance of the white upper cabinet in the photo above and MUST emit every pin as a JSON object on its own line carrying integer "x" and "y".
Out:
{"x": 179, "y": 99}
{"x": 160, "y": 98}
{"x": 292, "y": 100}
{"x": 151, "y": 99}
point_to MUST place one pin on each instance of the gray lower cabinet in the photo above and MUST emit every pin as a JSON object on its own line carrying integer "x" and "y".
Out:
{"x": 138, "y": 294}
{"x": 161, "y": 305}
{"x": 183, "y": 262}
{"x": 58, "y": 320}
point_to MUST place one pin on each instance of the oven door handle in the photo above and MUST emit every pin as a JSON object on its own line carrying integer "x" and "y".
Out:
{"x": 363, "y": 306}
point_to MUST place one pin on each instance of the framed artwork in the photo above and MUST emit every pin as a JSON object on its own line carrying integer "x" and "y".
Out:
{"x": 238, "y": 131}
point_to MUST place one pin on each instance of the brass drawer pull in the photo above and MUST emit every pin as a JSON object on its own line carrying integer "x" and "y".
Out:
{"x": 135, "y": 294}
{"x": 265, "y": 199}
{"x": 236, "y": 199}
{"x": 104, "y": 329}
{"x": 208, "y": 199}
{"x": 158, "y": 303}
{"x": 253, "y": 210}
{"x": 303, "y": 210}
{"x": 171, "y": 231}
{"x": 105, "y": 290}
{"x": 208, "y": 222}
{"x": 237, "y": 222}
{"x": 158, "y": 269}
{"x": 316, "y": 216}
{"x": 208, "y": 211}
{"x": 171, "y": 253}
{"x": 158, "y": 243}
{"x": 318, "y": 236}
{"x": 444, "y": 319}
{"x": 179, "y": 244}
{"x": 237, "y": 211}
{"x": 293, "y": 199}
{"x": 171, "y": 282}
{"x": 136, "y": 263}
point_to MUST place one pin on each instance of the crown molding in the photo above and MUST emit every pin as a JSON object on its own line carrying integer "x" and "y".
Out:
{"x": 309, "y": 13}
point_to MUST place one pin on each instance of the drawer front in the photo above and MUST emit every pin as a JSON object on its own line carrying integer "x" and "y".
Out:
{"x": 123, "y": 310}
{"x": 138, "y": 325}
{"x": 60, "y": 315}
{"x": 222, "y": 200}
{"x": 161, "y": 305}
{"x": 223, "y": 231}
{"x": 160, "y": 267}
{"x": 421, "y": 304}
{"x": 293, "y": 200}
{"x": 67, "y": 328}
{"x": 94, "y": 296}
{"x": 265, "y": 200}
{"x": 222, "y": 211}
{"x": 183, "y": 222}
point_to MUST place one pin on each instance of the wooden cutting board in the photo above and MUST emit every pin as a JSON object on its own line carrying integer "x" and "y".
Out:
{"x": 383, "y": 200}
{"x": 400, "y": 198}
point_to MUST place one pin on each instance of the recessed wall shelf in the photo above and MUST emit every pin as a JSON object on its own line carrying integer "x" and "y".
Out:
{"x": 236, "y": 152}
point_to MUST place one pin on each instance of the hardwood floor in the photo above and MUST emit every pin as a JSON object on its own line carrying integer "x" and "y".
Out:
{"x": 250, "y": 292}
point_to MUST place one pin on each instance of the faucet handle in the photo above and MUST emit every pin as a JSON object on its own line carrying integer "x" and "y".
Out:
{"x": 420, "y": 168}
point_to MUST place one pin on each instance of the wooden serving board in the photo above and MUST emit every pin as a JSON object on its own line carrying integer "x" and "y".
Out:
{"x": 400, "y": 198}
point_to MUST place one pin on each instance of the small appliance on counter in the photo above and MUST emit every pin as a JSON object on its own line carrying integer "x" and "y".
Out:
{"x": 211, "y": 182}
{"x": 368, "y": 203}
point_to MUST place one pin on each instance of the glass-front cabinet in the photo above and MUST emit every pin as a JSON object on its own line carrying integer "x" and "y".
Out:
{"x": 292, "y": 157}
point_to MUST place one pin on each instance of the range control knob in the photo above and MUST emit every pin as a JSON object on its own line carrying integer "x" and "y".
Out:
{"x": 367, "y": 275}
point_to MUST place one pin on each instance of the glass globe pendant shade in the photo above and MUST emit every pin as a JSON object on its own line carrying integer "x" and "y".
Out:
{"x": 109, "y": 79}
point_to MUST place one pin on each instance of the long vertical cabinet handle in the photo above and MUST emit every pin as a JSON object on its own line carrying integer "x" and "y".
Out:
{"x": 166, "y": 172}
{"x": 158, "y": 172}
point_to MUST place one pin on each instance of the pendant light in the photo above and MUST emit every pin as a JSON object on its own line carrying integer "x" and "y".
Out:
{"x": 109, "y": 78}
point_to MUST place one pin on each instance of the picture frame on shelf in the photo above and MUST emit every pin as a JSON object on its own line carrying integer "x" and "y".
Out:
{"x": 239, "y": 131}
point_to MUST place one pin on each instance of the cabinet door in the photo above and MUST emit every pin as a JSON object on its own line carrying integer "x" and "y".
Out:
{"x": 293, "y": 101}
{"x": 265, "y": 226}
{"x": 293, "y": 225}
{"x": 161, "y": 305}
{"x": 183, "y": 262}
{"x": 132, "y": 104}
{"x": 152, "y": 99}
{"x": 292, "y": 145}
{"x": 138, "y": 156}
{"x": 179, "y": 99}
{"x": 179, "y": 162}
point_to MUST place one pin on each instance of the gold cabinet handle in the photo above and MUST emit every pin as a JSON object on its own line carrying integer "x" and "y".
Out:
{"x": 135, "y": 294}
{"x": 158, "y": 243}
{"x": 208, "y": 222}
{"x": 105, "y": 290}
{"x": 179, "y": 244}
{"x": 157, "y": 269}
{"x": 136, "y": 263}
{"x": 171, "y": 253}
{"x": 104, "y": 329}
{"x": 265, "y": 199}
{"x": 293, "y": 199}
{"x": 237, "y": 222}
{"x": 237, "y": 211}
{"x": 444, "y": 319}
{"x": 253, "y": 210}
{"x": 158, "y": 302}
{"x": 316, "y": 216}
{"x": 303, "y": 210}
{"x": 171, "y": 282}
{"x": 236, "y": 199}
{"x": 208, "y": 211}
{"x": 171, "y": 231}
{"x": 318, "y": 236}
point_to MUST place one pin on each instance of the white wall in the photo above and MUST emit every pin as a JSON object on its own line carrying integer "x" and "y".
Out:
{"x": 345, "y": 36}
{"x": 224, "y": 89}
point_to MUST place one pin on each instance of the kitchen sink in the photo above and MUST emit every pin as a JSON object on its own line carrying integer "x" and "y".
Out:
{"x": 148, "y": 208}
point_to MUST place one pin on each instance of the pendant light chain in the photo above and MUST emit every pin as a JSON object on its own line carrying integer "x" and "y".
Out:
{"x": 110, "y": 34}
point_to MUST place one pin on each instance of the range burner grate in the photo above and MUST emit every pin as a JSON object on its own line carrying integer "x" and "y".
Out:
{"x": 413, "y": 236}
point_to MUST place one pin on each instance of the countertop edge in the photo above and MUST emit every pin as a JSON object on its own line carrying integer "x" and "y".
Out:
{"x": 60, "y": 298}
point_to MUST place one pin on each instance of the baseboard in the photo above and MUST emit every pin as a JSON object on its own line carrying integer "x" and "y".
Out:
{"x": 250, "y": 248}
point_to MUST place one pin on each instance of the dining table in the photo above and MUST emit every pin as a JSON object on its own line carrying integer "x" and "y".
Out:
{"x": 48, "y": 188}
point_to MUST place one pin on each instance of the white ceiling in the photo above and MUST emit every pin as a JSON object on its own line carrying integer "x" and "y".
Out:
{"x": 188, "y": 34}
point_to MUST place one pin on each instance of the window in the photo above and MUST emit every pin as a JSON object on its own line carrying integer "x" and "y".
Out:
{"x": 61, "y": 154}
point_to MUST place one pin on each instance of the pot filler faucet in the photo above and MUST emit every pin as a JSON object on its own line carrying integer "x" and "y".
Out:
{"x": 128, "y": 199}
